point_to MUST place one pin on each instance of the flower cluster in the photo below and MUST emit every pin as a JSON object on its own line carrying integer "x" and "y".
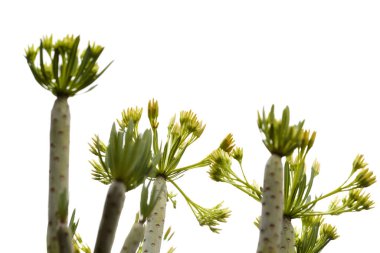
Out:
{"x": 60, "y": 68}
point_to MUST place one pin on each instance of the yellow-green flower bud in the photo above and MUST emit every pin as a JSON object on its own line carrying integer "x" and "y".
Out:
{"x": 153, "y": 113}
{"x": 47, "y": 43}
{"x": 365, "y": 178}
{"x": 228, "y": 143}
{"x": 358, "y": 163}
{"x": 316, "y": 167}
{"x": 328, "y": 231}
{"x": 237, "y": 154}
{"x": 220, "y": 165}
{"x": 31, "y": 53}
{"x": 129, "y": 114}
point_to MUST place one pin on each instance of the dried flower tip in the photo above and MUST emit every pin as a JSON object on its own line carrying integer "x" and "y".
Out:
{"x": 228, "y": 143}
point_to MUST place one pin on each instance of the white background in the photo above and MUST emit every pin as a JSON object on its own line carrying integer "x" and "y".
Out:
{"x": 224, "y": 60}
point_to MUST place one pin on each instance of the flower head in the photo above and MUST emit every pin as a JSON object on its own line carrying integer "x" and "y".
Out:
{"x": 60, "y": 68}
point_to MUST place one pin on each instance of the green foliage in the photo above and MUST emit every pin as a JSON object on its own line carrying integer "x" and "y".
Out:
{"x": 315, "y": 235}
{"x": 63, "y": 204}
{"x": 210, "y": 217}
{"x": 279, "y": 137}
{"x": 100, "y": 171}
{"x": 79, "y": 246}
{"x": 127, "y": 158}
{"x": 147, "y": 202}
{"x": 221, "y": 171}
{"x": 295, "y": 143}
{"x": 299, "y": 203}
{"x": 179, "y": 137}
{"x": 67, "y": 70}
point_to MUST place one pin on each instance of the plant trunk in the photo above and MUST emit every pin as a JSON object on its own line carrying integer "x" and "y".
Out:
{"x": 59, "y": 169}
{"x": 134, "y": 238}
{"x": 110, "y": 218}
{"x": 287, "y": 237}
{"x": 272, "y": 207}
{"x": 65, "y": 239}
{"x": 155, "y": 223}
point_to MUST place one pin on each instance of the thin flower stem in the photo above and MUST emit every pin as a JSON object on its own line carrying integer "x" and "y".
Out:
{"x": 338, "y": 190}
{"x": 242, "y": 172}
{"x": 245, "y": 184}
{"x": 200, "y": 164}
{"x": 180, "y": 190}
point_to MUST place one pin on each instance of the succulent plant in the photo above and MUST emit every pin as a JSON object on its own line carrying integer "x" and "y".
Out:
{"x": 297, "y": 186}
{"x": 63, "y": 70}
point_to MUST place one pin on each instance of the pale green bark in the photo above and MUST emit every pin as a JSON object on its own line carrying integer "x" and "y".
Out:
{"x": 65, "y": 239}
{"x": 272, "y": 207}
{"x": 110, "y": 218}
{"x": 155, "y": 223}
{"x": 287, "y": 237}
{"x": 134, "y": 238}
{"x": 59, "y": 168}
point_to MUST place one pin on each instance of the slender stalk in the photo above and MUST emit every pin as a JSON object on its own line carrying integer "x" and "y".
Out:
{"x": 341, "y": 188}
{"x": 59, "y": 167}
{"x": 134, "y": 238}
{"x": 110, "y": 218}
{"x": 272, "y": 207}
{"x": 287, "y": 237}
{"x": 155, "y": 223}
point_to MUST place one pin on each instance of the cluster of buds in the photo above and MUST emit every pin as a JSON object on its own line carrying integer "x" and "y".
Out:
{"x": 279, "y": 137}
{"x": 220, "y": 166}
{"x": 130, "y": 114}
{"x": 67, "y": 71}
{"x": 315, "y": 234}
{"x": 220, "y": 163}
{"x": 180, "y": 136}
{"x": 153, "y": 113}
{"x": 357, "y": 201}
{"x": 210, "y": 217}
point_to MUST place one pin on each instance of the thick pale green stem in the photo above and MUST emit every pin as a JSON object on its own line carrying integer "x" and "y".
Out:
{"x": 65, "y": 239}
{"x": 110, "y": 218}
{"x": 272, "y": 207}
{"x": 134, "y": 238}
{"x": 59, "y": 168}
{"x": 287, "y": 237}
{"x": 155, "y": 223}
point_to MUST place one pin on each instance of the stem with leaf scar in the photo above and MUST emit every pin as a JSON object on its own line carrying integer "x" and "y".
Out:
{"x": 272, "y": 207}
{"x": 59, "y": 168}
{"x": 155, "y": 222}
{"x": 134, "y": 238}
{"x": 110, "y": 218}
{"x": 287, "y": 237}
